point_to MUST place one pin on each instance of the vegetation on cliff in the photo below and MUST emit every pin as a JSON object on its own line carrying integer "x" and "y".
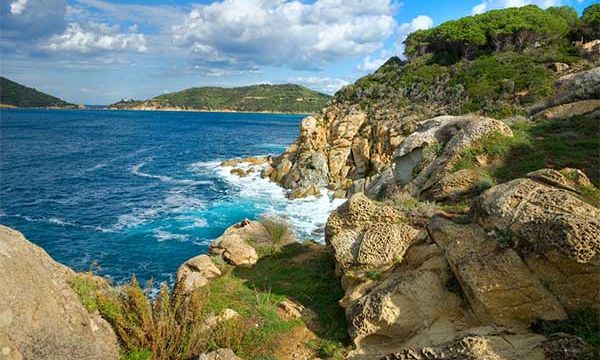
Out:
{"x": 15, "y": 94}
{"x": 495, "y": 64}
{"x": 251, "y": 310}
{"x": 287, "y": 98}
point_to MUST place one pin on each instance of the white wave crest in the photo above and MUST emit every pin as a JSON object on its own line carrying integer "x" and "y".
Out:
{"x": 136, "y": 170}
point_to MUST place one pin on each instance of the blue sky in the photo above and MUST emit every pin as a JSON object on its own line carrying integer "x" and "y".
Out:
{"x": 99, "y": 51}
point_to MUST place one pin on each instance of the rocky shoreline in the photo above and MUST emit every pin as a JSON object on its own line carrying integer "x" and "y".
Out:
{"x": 470, "y": 228}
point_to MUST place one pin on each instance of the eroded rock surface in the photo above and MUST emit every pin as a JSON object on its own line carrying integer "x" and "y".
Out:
{"x": 196, "y": 273}
{"x": 426, "y": 157}
{"x": 40, "y": 315}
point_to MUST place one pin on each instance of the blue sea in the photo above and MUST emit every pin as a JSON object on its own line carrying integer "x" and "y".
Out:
{"x": 136, "y": 192}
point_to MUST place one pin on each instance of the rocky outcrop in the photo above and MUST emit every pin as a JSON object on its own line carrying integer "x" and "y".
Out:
{"x": 219, "y": 354}
{"x": 40, "y": 315}
{"x": 497, "y": 284}
{"x": 196, "y": 273}
{"x": 572, "y": 89}
{"x": 483, "y": 344}
{"x": 241, "y": 243}
{"x": 556, "y": 233}
{"x": 589, "y": 108}
{"x": 368, "y": 235}
{"x": 469, "y": 290}
{"x": 424, "y": 160}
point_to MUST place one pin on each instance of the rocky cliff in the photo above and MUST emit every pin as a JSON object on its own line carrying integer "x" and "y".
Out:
{"x": 41, "y": 317}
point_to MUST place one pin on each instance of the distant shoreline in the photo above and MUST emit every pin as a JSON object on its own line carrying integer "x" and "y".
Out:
{"x": 3, "y": 106}
{"x": 215, "y": 111}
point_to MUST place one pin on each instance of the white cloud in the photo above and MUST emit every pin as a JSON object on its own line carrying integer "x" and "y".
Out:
{"x": 246, "y": 33}
{"x": 96, "y": 37}
{"x": 326, "y": 85}
{"x": 372, "y": 62}
{"x": 487, "y": 5}
{"x": 17, "y": 7}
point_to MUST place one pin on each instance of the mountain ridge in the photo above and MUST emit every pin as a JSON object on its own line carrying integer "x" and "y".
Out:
{"x": 284, "y": 98}
{"x": 14, "y": 94}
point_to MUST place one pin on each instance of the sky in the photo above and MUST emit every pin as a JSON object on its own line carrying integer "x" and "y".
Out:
{"x": 100, "y": 51}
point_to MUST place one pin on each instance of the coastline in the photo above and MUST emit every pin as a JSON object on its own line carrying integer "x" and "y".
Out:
{"x": 2, "y": 106}
{"x": 214, "y": 111}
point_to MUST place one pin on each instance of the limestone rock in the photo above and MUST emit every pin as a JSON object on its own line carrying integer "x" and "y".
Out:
{"x": 412, "y": 306}
{"x": 428, "y": 155}
{"x": 196, "y": 272}
{"x": 453, "y": 187}
{"x": 568, "y": 110}
{"x": 556, "y": 233}
{"x": 499, "y": 286}
{"x": 502, "y": 346}
{"x": 364, "y": 233}
{"x": 571, "y": 88}
{"x": 543, "y": 218}
{"x": 40, "y": 315}
{"x": 219, "y": 354}
{"x": 233, "y": 247}
{"x": 239, "y": 243}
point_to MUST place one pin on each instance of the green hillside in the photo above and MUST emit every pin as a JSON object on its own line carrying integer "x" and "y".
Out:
{"x": 500, "y": 63}
{"x": 288, "y": 98}
{"x": 15, "y": 94}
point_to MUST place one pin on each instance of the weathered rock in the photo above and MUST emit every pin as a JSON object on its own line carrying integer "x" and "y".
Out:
{"x": 568, "y": 179}
{"x": 212, "y": 320}
{"x": 428, "y": 155}
{"x": 556, "y": 233}
{"x": 366, "y": 234}
{"x": 254, "y": 160}
{"x": 502, "y": 346}
{"x": 564, "y": 111}
{"x": 196, "y": 273}
{"x": 499, "y": 286}
{"x": 543, "y": 218}
{"x": 412, "y": 306}
{"x": 590, "y": 49}
{"x": 571, "y": 88}
{"x": 219, "y": 354}
{"x": 453, "y": 187}
{"x": 233, "y": 247}
{"x": 239, "y": 243}
{"x": 40, "y": 315}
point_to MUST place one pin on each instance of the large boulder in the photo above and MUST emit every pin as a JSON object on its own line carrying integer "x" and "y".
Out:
{"x": 40, "y": 315}
{"x": 486, "y": 344}
{"x": 555, "y": 232}
{"x": 498, "y": 285}
{"x": 428, "y": 155}
{"x": 412, "y": 305}
{"x": 196, "y": 273}
{"x": 241, "y": 243}
{"x": 365, "y": 234}
{"x": 219, "y": 354}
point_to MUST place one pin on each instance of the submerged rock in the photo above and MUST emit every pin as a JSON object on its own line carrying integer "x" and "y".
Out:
{"x": 41, "y": 317}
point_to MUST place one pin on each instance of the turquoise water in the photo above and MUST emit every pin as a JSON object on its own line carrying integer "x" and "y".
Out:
{"x": 127, "y": 192}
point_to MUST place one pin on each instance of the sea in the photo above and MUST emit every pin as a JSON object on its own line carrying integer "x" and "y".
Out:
{"x": 125, "y": 193}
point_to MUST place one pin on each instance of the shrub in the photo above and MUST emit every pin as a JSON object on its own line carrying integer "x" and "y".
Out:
{"x": 278, "y": 230}
{"x": 584, "y": 323}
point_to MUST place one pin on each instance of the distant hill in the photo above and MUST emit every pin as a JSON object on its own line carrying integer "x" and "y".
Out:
{"x": 15, "y": 94}
{"x": 288, "y": 98}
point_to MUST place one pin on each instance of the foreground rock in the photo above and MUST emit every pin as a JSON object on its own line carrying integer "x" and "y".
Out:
{"x": 556, "y": 233}
{"x": 219, "y": 354}
{"x": 424, "y": 161}
{"x": 40, "y": 315}
{"x": 196, "y": 272}
{"x": 239, "y": 244}
{"x": 470, "y": 290}
{"x": 500, "y": 345}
